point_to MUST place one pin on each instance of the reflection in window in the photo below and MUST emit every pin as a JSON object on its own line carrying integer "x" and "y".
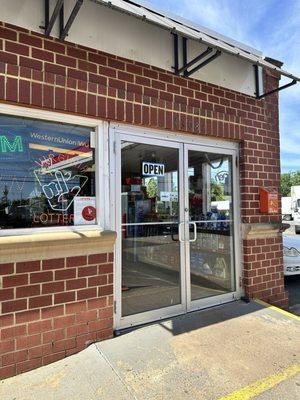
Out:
{"x": 47, "y": 174}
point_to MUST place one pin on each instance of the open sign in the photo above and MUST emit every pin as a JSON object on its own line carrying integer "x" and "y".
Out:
{"x": 153, "y": 169}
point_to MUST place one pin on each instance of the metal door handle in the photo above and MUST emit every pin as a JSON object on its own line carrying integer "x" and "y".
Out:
{"x": 179, "y": 231}
{"x": 195, "y": 232}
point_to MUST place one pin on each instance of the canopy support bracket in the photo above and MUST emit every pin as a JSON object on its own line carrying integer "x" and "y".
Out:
{"x": 184, "y": 70}
{"x": 58, "y": 13}
{"x": 263, "y": 95}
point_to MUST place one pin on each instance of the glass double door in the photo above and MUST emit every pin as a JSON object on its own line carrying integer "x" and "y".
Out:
{"x": 175, "y": 217}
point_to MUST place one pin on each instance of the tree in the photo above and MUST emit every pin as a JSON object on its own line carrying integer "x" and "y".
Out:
{"x": 217, "y": 191}
{"x": 151, "y": 187}
{"x": 287, "y": 181}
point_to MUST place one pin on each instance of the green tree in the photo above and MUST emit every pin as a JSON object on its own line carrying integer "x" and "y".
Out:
{"x": 217, "y": 191}
{"x": 288, "y": 180}
{"x": 151, "y": 188}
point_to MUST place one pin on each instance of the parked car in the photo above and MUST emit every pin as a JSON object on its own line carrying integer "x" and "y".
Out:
{"x": 291, "y": 255}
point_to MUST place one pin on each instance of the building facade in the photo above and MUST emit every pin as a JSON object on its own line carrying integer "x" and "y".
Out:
{"x": 129, "y": 193}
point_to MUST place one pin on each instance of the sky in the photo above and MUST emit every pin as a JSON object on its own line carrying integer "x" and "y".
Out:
{"x": 272, "y": 26}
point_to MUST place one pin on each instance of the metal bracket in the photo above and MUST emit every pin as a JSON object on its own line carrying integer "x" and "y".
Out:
{"x": 187, "y": 64}
{"x": 58, "y": 12}
{"x": 257, "y": 87}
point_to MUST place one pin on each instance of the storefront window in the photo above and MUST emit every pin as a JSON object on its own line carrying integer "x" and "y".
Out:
{"x": 47, "y": 174}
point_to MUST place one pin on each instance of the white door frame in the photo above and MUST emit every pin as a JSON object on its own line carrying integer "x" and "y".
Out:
{"x": 183, "y": 142}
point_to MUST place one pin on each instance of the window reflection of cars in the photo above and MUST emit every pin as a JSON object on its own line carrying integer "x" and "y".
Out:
{"x": 291, "y": 255}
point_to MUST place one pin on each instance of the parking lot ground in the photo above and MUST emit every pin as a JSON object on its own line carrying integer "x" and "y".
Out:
{"x": 292, "y": 284}
{"x": 236, "y": 351}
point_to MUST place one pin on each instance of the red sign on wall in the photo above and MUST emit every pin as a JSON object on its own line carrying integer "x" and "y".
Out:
{"x": 268, "y": 201}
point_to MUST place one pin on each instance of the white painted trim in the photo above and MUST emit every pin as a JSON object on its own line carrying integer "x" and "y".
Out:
{"x": 174, "y": 136}
{"x": 51, "y": 116}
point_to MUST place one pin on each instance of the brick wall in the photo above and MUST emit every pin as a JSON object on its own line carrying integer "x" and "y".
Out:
{"x": 44, "y": 73}
{"x": 53, "y": 308}
{"x": 263, "y": 273}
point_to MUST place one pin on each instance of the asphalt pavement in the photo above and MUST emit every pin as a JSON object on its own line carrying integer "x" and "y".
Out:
{"x": 292, "y": 283}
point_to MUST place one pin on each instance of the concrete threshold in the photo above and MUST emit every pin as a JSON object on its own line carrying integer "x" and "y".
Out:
{"x": 237, "y": 351}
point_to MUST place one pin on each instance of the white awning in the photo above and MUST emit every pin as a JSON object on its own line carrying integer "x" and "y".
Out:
{"x": 193, "y": 31}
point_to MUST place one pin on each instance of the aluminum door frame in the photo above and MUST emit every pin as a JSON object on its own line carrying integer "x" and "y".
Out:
{"x": 186, "y": 141}
{"x": 165, "y": 312}
{"x": 198, "y": 304}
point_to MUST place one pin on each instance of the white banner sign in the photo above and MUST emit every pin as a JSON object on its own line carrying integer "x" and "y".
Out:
{"x": 153, "y": 169}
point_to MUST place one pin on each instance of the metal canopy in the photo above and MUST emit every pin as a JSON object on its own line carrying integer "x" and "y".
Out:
{"x": 189, "y": 30}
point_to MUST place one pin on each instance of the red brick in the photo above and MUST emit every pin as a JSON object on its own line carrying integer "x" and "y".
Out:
{"x": 55, "y": 69}
{"x": 76, "y": 261}
{"x": 86, "y": 293}
{"x": 51, "y": 312}
{"x": 11, "y": 88}
{"x": 81, "y": 103}
{"x": 76, "y": 284}
{"x": 40, "y": 301}
{"x": 60, "y": 98}
{"x": 86, "y": 316}
{"x": 24, "y": 92}
{"x": 28, "y": 365}
{"x": 53, "y": 287}
{"x": 40, "y": 351}
{"x": 30, "y": 40}
{"x": 41, "y": 277}
{"x": 39, "y": 326}
{"x": 66, "y": 61}
{"x": 15, "y": 357}
{"x": 6, "y": 320}
{"x": 100, "y": 324}
{"x": 77, "y": 53}
{"x": 28, "y": 291}
{"x": 65, "y": 274}
{"x": 64, "y": 344}
{"x": 42, "y": 55}
{"x": 7, "y": 371}
{"x": 56, "y": 263}
{"x": 53, "y": 335}
{"x": 27, "y": 316}
{"x": 77, "y": 307}
{"x": 105, "y": 290}
{"x": 6, "y": 269}
{"x": 87, "y": 270}
{"x": 62, "y": 322}
{"x": 17, "y": 48}
{"x": 31, "y": 63}
{"x": 64, "y": 297}
{"x": 97, "y": 58}
{"x": 8, "y": 34}
{"x": 54, "y": 46}
{"x": 97, "y": 280}
{"x": 76, "y": 74}
{"x": 15, "y": 280}
{"x": 37, "y": 94}
{"x": 106, "y": 313}
{"x": 27, "y": 266}
{"x": 26, "y": 342}
{"x": 13, "y": 332}
{"x": 97, "y": 303}
{"x": 106, "y": 269}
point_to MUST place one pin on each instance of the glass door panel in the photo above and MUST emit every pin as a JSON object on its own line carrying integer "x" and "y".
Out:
{"x": 210, "y": 224}
{"x": 151, "y": 249}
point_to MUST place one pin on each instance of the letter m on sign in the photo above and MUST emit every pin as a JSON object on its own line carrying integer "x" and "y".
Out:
{"x": 14, "y": 146}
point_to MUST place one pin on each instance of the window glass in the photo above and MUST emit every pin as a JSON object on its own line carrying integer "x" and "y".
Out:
{"x": 47, "y": 174}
